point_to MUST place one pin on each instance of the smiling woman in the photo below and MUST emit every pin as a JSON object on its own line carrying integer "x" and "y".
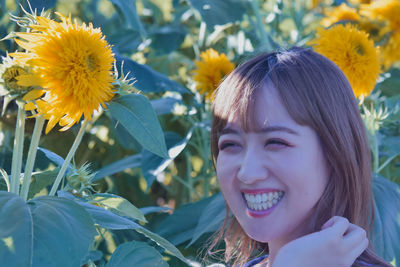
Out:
{"x": 293, "y": 163}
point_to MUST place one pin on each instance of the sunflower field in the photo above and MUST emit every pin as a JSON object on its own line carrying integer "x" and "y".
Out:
{"x": 105, "y": 119}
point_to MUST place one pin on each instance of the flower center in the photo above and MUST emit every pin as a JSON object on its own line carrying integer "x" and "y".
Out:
{"x": 91, "y": 62}
{"x": 360, "y": 50}
{"x": 10, "y": 77}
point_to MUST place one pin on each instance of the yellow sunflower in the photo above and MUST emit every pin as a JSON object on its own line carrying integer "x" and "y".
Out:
{"x": 342, "y": 12}
{"x": 390, "y": 52}
{"x": 384, "y": 9}
{"x": 72, "y": 63}
{"x": 210, "y": 70}
{"x": 354, "y": 54}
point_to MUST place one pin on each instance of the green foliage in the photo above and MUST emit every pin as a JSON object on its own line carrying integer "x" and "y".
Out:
{"x": 136, "y": 114}
{"x": 180, "y": 227}
{"x": 117, "y": 205}
{"x": 39, "y": 232}
{"x": 136, "y": 254}
{"x": 127, "y": 12}
{"x": 15, "y": 227}
{"x": 387, "y": 218}
{"x": 150, "y": 80}
{"x": 219, "y": 12}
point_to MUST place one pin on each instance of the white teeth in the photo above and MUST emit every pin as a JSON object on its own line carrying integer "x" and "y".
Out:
{"x": 264, "y": 197}
{"x": 252, "y": 198}
{"x": 263, "y": 201}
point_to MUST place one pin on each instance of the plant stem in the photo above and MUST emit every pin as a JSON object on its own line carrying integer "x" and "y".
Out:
{"x": 263, "y": 35}
{"x": 37, "y": 131}
{"x": 376, "y": 153}
{"x": 386, "y": 162}
{"x": 205, "y": 154}
{"x": 68, "y": 159}
{"x": 18, "y": 149}
{"x": 189, "y": 176}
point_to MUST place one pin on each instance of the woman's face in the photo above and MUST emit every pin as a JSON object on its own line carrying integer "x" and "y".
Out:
{"x": 272, "y": 177}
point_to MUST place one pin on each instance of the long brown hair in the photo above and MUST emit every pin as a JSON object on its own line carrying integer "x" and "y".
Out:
{"x": 316, "y": 93}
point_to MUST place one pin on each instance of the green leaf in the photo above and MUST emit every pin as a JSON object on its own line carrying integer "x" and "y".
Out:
{"x": 385, "y": 237}
{"x": 101, "y": 216}
{"x": 168, "y": 38}
{"x": 125, "y": 40}
{"x": 126, "y": 140}
{"x": 62, "y": 232}
{"x": 147, "y": 79}
{"x": 391, "y": 144}
{"x": 118, "y": 166}
{"x": 154, "y": 209}
{"x": 165, "y": 105}
{"x": 391, "y": 85}
{"x": 2, "y": 7}
{"x": 219, "y": 12}
{"x": 162, "y": 242}
{"x": 136, "y": 114}
{"x": 16, "y": 242}
{"x": 137, "y": 254}
{"x": 152, "y": 165}
{"x": 118, "y": 205}
{"x": 211, "y": 218}
{"x": 5, "y": 179}
{"x": 128, "y": 14}
{"x": 58, "y": 160}
{"x": 179, "y": 227}
{"x": 40, "y": 181}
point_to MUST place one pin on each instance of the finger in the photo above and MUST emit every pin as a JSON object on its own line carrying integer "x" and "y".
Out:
{"x": 339, "y": 225}
{"x": 354, "y": 235}
{"x": 328, "y": 223}
{"x": 357, "y": 250}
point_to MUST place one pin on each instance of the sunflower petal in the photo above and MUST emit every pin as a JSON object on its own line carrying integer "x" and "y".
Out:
{"x": 20, "y": 57}
{"x": 43, "y": 21}
{"x": 24, "y": 44}
{"x": 51, "y": 123}
{"x": 34, "y": 94}
{"x": 30, "y": 106}
{"x": 30, "y": 37}
{"x": 66, "y": 121}
{"x": 63, "y": 129}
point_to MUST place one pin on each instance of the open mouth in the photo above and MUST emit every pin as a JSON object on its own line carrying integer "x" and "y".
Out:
{"x": 261, "y": 204}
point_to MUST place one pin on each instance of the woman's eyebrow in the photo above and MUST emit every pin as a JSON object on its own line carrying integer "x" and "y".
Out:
{"x": 228, "y": 130}
{"x": 268, "y": 129}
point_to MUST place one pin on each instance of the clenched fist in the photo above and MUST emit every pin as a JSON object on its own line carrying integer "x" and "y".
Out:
{"x": 338, "y": 244}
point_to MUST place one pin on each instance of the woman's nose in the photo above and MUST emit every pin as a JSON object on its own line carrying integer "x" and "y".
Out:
{"x": 252, "y": 168}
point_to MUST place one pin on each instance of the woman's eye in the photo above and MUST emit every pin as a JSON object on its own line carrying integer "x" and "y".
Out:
{"x": 276, "y": 142}
{"x": 226, "y": 145}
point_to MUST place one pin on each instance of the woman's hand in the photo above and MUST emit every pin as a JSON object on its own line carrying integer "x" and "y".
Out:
{"x": 338, "y": 244}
